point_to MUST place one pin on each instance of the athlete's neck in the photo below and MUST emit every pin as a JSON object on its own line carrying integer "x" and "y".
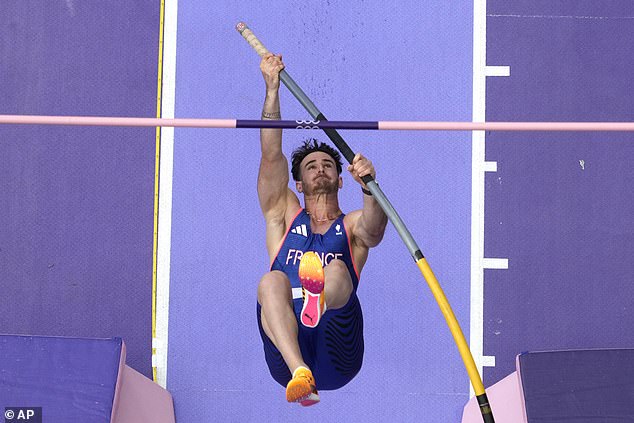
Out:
{"x": 322, "y": 207}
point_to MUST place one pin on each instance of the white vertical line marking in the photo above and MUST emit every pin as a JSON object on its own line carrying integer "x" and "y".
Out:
{"x": 166, "y": 165}
{"x": 476, "y": 318}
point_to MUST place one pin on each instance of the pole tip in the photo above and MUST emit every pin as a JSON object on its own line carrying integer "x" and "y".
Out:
{"x": 241, "y": 26}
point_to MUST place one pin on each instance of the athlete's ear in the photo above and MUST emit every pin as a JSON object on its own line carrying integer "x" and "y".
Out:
{"x": 298, "y": 186}
{"x": 340, "y": 182}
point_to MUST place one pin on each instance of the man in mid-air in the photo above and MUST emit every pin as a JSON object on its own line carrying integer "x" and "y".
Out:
{"x": 308, "y": 312}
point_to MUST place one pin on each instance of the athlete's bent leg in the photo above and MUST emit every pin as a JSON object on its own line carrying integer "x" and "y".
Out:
{"x": 280, "y": 326}
{"x": 337, "y": 285}
{"x": 278, "y": 318}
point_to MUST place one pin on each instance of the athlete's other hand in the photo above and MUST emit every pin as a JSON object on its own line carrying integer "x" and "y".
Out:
{"x": 360, "y": 167}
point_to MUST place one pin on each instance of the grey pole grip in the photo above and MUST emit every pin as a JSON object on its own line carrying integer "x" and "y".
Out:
{"x": 253, "y": 41}
{"x": 292, "y": 86}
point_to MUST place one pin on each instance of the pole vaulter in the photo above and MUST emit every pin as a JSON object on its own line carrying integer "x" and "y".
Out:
{"x": 402, "y": 230}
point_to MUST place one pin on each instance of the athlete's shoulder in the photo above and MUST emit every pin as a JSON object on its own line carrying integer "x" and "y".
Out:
{"x": 351, "y": 219}
{"x": 293, "y": 212}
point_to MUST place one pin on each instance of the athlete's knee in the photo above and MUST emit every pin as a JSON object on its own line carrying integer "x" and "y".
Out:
{"x": 274, "y": 283}
{"x": 337, "y": 265}
{"x": 338, "y": 284}
{"x": 337, "y": 272}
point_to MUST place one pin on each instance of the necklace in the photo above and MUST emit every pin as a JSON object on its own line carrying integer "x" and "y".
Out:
{"x": 327, "y": 219}
{"x": 324, "y": 220}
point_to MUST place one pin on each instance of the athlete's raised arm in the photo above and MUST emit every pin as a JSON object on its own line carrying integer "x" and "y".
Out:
{"x": 273, "y": 192}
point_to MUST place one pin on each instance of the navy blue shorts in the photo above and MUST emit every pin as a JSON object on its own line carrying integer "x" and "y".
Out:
{"x": 333, "y": 350}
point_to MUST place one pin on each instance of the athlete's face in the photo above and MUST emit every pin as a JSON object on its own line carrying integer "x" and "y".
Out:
{"x": 319, "y": 174}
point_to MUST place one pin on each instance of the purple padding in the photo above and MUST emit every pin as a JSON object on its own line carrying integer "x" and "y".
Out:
{"x": 578, "y": 386}
{"x": 72, "y": 379}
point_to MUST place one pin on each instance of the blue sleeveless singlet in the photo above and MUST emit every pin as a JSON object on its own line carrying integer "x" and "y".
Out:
{"x": 333, "y": 244}
{"x": 334, "y": 349}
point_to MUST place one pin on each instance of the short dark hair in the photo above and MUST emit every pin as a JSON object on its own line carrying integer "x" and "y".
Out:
{"x": 311, "y": 145}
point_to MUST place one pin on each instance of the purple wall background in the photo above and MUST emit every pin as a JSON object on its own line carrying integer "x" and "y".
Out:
{"x": 567, "y": 228}
{"x": 76, "y": 204}
{"x": 356, "y": 61}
